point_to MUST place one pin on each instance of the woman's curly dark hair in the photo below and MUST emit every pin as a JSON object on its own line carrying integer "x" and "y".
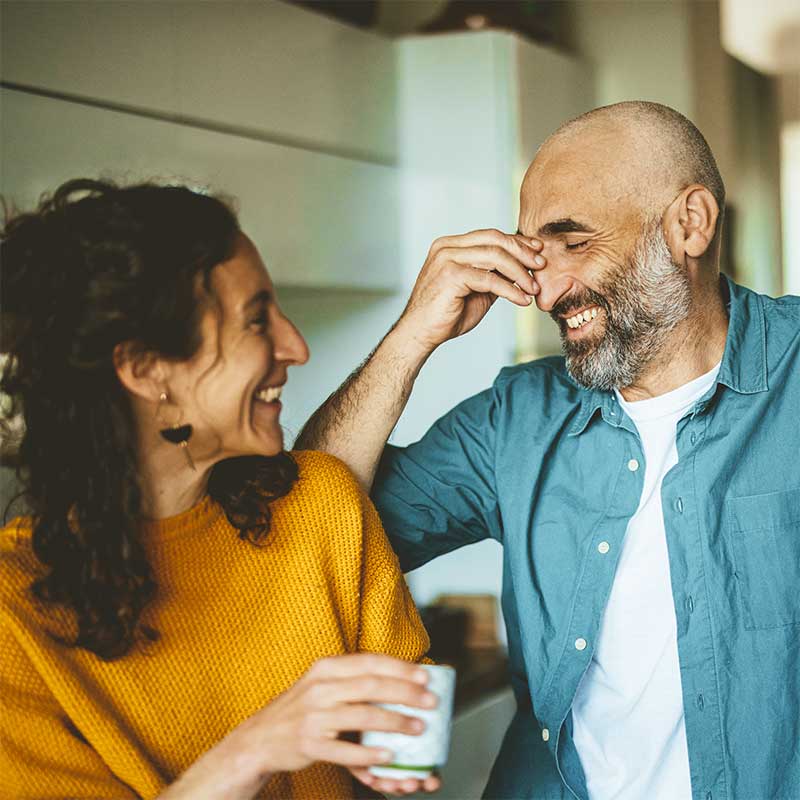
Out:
{"x": 96, "y": 265}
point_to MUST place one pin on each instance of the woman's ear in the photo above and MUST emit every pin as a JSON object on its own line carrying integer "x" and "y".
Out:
{"x": 690, "y": 223}
{"x": 143, "y": 374}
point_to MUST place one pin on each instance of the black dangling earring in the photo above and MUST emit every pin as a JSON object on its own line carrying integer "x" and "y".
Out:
{"x": 176, "y": 433}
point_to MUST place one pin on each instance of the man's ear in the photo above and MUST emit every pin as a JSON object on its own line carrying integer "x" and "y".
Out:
{"x": 143, "y": 374}
{"x": 691, "y": 222}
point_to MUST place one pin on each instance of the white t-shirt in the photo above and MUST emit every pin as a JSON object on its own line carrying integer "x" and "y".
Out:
{"x": 628, "y": 712}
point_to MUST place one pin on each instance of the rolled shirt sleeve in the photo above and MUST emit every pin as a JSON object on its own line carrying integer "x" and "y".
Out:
{"x": 439, "y": 494}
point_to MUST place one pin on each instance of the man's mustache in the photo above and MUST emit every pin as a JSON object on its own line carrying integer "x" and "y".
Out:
{"x": 566, "y": 305}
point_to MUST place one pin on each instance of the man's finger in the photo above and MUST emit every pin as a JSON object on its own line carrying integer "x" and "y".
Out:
{"x": 494, "y": 259}
{"x": 479, "y": 280}
{"x": 517, "y": 245}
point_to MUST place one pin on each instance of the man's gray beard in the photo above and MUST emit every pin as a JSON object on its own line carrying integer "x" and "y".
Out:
{"x": 644, "y": 302}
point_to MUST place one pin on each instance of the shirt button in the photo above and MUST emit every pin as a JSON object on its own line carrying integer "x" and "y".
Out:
{"x": 580, "y": 644}
{"x": 545, "y": 735}
{"x": 693, "y": 438}
{"x": 633, "y": 465}
{"x": 690, "y": 604}
{"x": 679, "y": 505}
{"x": 603, "y": 547}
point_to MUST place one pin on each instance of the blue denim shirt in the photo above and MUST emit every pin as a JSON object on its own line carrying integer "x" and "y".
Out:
{"x": 549, "y": 469}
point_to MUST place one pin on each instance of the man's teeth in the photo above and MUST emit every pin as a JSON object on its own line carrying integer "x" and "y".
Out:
{"x": 269, "y": 394}
{"x": 580, "y": 319}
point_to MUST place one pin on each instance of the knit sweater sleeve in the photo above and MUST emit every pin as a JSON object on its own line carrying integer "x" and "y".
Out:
{"x": 42, "y": 754}
{"x": 390, "y": 622}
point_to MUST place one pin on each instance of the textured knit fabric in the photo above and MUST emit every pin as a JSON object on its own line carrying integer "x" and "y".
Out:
{"x": 238, "y": 625}
{"x": 553, "y": 471}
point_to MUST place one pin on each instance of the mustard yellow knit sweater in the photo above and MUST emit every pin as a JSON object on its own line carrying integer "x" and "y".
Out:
{"x": 238, "y": 625}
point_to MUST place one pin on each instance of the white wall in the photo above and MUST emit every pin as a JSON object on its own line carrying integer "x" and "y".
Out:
{"x": 637, "y": 50}
{"x": 291, "y": 112}
{"x": 790, "y": 180}
{"x": 341, "y": 328}
{"x": 318, "y": 219}
{"x": 265, "y": 67}
{"x": 790, "y": 185}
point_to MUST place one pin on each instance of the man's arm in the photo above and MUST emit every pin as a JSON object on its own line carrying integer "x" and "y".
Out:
{"x": 459, "y": 282}
{"x": 354, "y": 423}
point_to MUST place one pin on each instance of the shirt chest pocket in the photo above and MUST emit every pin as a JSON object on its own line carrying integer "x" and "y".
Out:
{"x": 765, "y": 538}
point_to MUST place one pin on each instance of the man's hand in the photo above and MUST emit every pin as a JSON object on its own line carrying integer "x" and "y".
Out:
{"x": 460, "y": 280}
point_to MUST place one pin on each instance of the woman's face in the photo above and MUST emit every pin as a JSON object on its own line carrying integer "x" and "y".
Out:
{"x": 229, "y": 391}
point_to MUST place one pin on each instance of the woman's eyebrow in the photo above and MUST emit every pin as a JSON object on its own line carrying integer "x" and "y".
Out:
{"x": 260, "y": 298}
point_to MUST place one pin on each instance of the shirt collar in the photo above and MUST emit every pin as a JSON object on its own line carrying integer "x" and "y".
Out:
{"x": 591, "y": 401}
{"x": 744, "y": 361}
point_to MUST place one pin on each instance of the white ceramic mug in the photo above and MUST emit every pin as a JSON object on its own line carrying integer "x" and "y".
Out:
{"x": 418, "y": 756}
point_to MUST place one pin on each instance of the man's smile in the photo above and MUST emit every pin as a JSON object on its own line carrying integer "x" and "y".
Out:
{"x": 582, "y": 318}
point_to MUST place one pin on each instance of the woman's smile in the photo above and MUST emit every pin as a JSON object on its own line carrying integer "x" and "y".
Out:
{"x": 267, "y": 404}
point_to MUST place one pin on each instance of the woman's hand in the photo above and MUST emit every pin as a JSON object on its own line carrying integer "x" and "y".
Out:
{"x": 335, "y": 696}
{"x": 397, "y": 787}
{"x": 304, "y": 725}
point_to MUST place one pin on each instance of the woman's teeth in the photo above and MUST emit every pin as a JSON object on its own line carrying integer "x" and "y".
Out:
{"x": 269, "y": 394}
{"x": 580, "y": 319}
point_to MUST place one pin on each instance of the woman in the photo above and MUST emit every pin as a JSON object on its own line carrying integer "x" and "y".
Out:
{"x": 167, "y": 607}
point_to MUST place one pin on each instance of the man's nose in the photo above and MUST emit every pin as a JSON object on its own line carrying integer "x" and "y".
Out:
{"x": 551, "y": 292}
{"x": 554, "y": 280}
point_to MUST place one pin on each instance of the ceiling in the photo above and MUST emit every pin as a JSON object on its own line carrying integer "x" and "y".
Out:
{"x": 538, "y": 20}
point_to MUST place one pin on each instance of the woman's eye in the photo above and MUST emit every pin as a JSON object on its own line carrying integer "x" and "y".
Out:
{"x": 577, "y": 245}
{"x": 260, "y": 323}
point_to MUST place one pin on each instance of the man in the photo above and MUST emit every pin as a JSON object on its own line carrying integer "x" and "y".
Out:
{"x": 645, "y": 488}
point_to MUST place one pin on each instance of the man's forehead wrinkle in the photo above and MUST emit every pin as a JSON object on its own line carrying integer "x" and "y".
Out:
{"x": 583, "y": 204}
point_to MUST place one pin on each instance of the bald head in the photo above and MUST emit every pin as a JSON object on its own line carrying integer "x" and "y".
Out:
{"x": 644, "y": 150}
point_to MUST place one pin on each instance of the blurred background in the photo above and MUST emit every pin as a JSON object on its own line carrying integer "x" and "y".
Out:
{"x": 353, "y": 133}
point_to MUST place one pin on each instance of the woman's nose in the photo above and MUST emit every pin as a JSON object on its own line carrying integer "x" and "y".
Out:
{"x": 290, "y": 345}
